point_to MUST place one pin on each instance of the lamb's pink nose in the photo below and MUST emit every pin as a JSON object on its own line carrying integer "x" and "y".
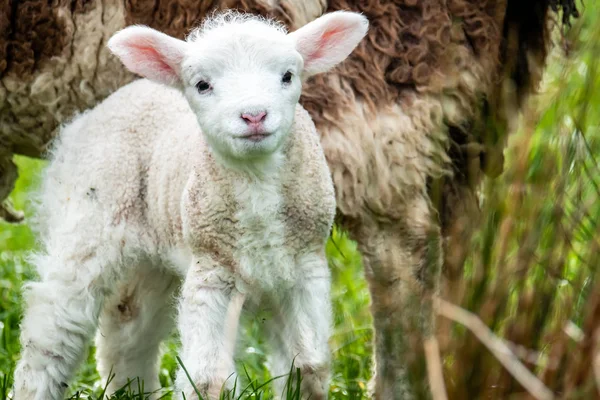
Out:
{"x": 254, "y": 118}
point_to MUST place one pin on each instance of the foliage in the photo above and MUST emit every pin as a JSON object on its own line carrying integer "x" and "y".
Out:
{"x": 531, "y": 276}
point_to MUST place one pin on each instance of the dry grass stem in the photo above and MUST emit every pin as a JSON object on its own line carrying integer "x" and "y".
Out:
{"x": 434, "y": 369}
{"x": 497, "y": 346}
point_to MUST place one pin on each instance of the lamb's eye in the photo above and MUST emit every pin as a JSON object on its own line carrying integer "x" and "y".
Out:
{"x": 287, "y": 77}
{"x": 203, "y": 86}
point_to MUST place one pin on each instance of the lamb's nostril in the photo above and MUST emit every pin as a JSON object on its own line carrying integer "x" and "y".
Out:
{"x": 254, "y": 118}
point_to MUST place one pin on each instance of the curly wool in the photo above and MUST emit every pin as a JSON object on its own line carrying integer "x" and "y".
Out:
{"x": 443, "y": 64}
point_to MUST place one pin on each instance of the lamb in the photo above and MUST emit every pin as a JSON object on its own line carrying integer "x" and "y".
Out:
{"x": 208, "y": 172}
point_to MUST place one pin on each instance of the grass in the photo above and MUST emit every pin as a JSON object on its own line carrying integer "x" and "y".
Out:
{"x": 532, "y": 273}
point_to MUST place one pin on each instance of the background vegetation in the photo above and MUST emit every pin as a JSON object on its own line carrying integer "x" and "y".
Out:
{"x": 531, "y": 276}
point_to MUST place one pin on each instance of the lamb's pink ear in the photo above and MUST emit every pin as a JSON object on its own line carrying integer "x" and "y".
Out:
{"x": 329, "y": 39}
{"x": 149, "y": 53}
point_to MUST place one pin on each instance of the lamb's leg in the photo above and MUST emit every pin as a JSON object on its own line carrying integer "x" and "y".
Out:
{"x": 208, "y": 319}
{"x": 61, "y": 314}
{"x": 133, "y": 322}
{"x": 301, "y": 329}
{"x": 402, "y": 266}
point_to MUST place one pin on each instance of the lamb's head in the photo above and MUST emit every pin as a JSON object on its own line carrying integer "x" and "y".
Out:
{"x": 241, "y": 74}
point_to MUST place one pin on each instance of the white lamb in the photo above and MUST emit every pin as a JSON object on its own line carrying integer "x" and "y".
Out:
{"x": 213, "y": 175}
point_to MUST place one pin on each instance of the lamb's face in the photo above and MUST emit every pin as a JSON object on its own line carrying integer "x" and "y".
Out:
{"x": 240, "y": 73}
{"x": 243, "y": 82}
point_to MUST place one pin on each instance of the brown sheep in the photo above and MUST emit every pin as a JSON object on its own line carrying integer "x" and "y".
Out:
{"x": 409, "y": 123}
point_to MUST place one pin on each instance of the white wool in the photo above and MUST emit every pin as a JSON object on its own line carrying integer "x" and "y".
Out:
{"x": 231, "y": 20}
{"x": 226, "y": 190}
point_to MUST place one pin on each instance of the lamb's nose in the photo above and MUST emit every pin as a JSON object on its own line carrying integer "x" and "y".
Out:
{"x": 254, "y": 118}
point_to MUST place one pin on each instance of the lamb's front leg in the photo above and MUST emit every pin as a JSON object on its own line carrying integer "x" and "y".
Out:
{"x": 208, "y": 318}
{"x": 301, "y": 329}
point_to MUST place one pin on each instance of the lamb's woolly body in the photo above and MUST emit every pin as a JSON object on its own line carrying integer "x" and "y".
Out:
{"x": 142, "y": 163}
{"x": 135, "y": 174}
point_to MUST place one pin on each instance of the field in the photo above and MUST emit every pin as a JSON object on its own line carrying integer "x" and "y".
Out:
{"x": 531, "y": 276}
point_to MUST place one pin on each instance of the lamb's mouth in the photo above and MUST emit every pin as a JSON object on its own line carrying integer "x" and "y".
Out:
{"x": 256, "y": 137}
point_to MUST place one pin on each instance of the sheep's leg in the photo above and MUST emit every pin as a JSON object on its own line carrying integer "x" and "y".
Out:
{"x": 301, "y": 329}
{"x": 61, "y": 314}
{"x": 209, "y": 314}
{"x": 402, "y": 266}
{"x": 133, "y": 322}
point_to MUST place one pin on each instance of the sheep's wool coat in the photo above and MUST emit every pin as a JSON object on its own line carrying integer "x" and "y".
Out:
{"x": 140, "y": 161}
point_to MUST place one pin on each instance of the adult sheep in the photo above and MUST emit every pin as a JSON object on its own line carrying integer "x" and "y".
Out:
{"x": 409, "y": 123}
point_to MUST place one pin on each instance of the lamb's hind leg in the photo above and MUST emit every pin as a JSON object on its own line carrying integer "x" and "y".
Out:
{"x": 133, "y": 322}
{"x": 61, "y": 312}
{"x": 402, "y": 265}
